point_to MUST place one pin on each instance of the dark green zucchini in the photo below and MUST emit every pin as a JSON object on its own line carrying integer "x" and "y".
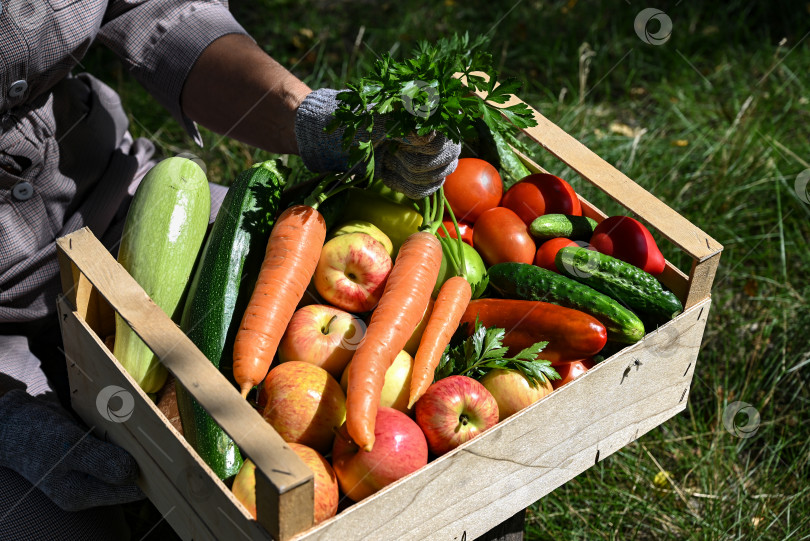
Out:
{"x": 552, "y": 226}
{"x": 218, "y": 294}
{"x": 638, "y": 290}
{"x": 530, "y": 282}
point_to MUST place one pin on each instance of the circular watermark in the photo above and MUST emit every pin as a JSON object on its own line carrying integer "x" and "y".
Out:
{"x": 643, "y": 22}
{"x": 196, "y": 159}
{"x": 351, "y": 342}
{"x": 666, "y": 341}
{"x": 27, "y": 14}
{"x": 802, "y": 186}
{"x": 194, "y": 483}
{"x": 583, "y": 263}
{"x": 421, "y": 99}
{"x": 115, "y": 404}
{"x": 741, "y": 419}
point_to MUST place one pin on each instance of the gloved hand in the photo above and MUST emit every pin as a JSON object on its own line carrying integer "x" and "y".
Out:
{"x": 41, "y": 442}
{"x": 414, "y": 166}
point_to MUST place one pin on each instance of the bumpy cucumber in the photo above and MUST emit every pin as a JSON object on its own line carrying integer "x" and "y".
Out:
{"x": 219, "y": 291}
{"x": 530, "y": 282}
{"x": 638, "y": 290}
{"x": 552, "y": 226}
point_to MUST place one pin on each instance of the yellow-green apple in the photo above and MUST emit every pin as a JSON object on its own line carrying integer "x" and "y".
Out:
{"x": 399, "y": 449}
{"x": 304, "y": 403}
{"x": 413, "y": 342}
{"x": 512, "y": 391}
{"x": 322, "y": 335}
{"x": 326, "y": 485}
{"x": 454, "y": 410}
{"x": 397, "y": 386}
{"x": 359, "y": 226}
{"x": 352, "y": 272}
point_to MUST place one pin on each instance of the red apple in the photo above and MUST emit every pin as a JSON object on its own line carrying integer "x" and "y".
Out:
{"x": 571, "y": 370}
{"x": 397, "y": 386}
{"x": 326, "y": 486}
{"x": 399, "y": 449}
{"x": 352, "y": 272}
{"x": 322, "y": 335}
{"x": 359, "y": 226}
{"x": 304, "y": 404}
{"x": 453, "y": 410}
{"x": 512, "y": 391}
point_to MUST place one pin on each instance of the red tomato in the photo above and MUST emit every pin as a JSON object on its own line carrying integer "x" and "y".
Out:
{"x": 500, "y": 235}
{"x": 540, "y": 194}
{"x": 570, "y": 371}
{"x": 475, "y": 186}
{"x": 548, "y": 251}
{"x": 627, "y": 239}
{"x": 464, "y": 228}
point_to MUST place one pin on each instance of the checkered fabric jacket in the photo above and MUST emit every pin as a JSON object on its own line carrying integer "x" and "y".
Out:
{"x": 66, "y": 160}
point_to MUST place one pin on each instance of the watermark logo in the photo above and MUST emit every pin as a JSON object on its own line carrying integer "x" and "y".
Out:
{"x": 646, "y": 19}
{"x": 741, "y": 419}
{"x": 802, "y": 186}
{"x": 583, "y": 264}
{"x": 196, "y": 159}
{"x": 351, "y": 342}
{"x": 115, "y": 404}
{"x": 666, "y": 341}
{"x": 421, "y": 99}
{"x": 193, "y": 482}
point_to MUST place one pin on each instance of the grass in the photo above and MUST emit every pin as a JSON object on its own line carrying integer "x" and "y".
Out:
{"x": 715, "y": 122}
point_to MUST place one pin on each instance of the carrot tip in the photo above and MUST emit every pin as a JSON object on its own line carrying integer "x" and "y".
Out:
{"x": 245, "y": 391}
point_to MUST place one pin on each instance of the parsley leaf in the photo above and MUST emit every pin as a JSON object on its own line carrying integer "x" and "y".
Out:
{"x": 483, "y": 351}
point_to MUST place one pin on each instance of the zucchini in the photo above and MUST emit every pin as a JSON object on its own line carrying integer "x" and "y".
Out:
{"x": 220, "y": 290}
{"x": 533, "y": 283}
{"x": 552, "y": 226}
{"x": 163, "y": 232}
{"x": 638, "y": 290}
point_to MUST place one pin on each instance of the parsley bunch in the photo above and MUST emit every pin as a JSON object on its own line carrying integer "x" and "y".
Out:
{"x": 422, "y": 94}
{"x": 484, "y": 351}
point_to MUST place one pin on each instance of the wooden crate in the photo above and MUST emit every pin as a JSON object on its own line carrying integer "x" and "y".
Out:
{"x": 460, "y": 495}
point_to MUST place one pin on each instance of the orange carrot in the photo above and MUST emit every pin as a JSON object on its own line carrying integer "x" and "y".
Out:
{"x": 452, "y": 301}
{"x": 292, "y": 254}
{"x": 403, "y": 302}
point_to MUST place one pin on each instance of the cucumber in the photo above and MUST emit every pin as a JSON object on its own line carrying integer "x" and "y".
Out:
{"x": 513, "y": 167}
{"x": 163, "y": 231}
{"x": 218, "y": 295}
{"x": 638, "y": 290}
{"x": 533, "y": 283}
{"x": 552, "y": 226}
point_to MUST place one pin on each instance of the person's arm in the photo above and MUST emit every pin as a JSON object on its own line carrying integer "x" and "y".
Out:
{"x": 237, "y": 90}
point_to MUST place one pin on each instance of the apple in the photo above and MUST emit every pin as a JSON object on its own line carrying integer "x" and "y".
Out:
{"x": 352, "y": 272}
{"x": 571, "y": 370}
{"x": 304, "y": 403}
{"x": 359, "y": 226}
{"x": 322, "y": 335}
{"x": 399, "y": 449}
{"x": 326, "y": 485}
{"x": 413, "y": 342}
{"x": 454, "y": 410}
{"x": 397, "y": 386}
{"x": 512, "y": 391}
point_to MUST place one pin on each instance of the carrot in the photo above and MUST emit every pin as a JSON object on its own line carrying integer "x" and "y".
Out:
{"x": 292, "y": 254}
{"x": 401, "y": 307}
{"x": 452, "y": 301}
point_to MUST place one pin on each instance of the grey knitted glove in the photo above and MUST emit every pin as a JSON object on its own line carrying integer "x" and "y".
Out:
{"x": 416, "y": 167}
{"x": 41, "y": 442}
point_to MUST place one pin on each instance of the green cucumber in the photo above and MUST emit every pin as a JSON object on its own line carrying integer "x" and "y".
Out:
{"x": 163, "y": 231}
{"x": 552, "y": 226}
{"x": 530, "y": 282}
{"x": 638, "y": 290}
{"x": 218, "y": 295}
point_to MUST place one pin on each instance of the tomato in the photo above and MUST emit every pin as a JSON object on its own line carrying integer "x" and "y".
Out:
{"x": 540, "y": 194}
{"x": 571, "y": 370}
{"x": 474, "y": 187}
{"x": 500, "y": 236}
{"x": 475, "y": 268}
{"x": 464, "y": 228}
{"x": 627, "y": 239}
{"x": 548, "y": 251}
